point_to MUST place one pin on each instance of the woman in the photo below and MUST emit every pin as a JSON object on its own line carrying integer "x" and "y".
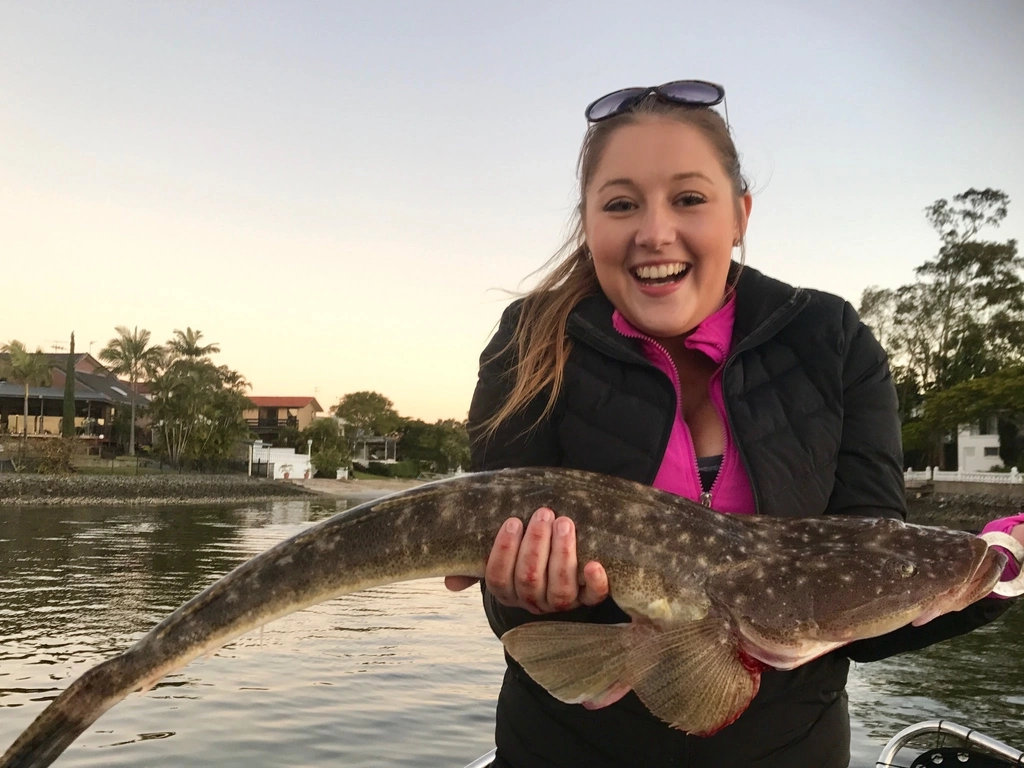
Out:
{"x": 649, "y": 354}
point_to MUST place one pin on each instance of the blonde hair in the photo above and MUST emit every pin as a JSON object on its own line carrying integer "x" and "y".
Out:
{"x": 539, "y": 339}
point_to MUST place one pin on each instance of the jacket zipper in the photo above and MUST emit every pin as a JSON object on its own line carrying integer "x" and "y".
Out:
{"x": 705, "y": 496}
{"x": 765, "y": 331}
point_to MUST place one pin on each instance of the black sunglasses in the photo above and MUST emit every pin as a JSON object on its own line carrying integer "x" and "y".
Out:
{"x": 690, "y": 93}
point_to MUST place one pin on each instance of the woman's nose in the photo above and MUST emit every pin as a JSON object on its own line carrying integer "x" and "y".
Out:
{"x": 656, "y": 228}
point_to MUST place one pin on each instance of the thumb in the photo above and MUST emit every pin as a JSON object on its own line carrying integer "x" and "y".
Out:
{"x": 459, "y": 583}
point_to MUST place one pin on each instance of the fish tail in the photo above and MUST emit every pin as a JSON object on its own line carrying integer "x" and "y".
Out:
{"x": 70, "y": 714}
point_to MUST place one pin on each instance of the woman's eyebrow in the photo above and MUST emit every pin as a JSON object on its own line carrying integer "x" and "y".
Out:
{"x": 677, "y": 177}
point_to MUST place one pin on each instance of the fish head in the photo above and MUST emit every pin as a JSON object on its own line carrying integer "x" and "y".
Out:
{"x": 832, "y": 581}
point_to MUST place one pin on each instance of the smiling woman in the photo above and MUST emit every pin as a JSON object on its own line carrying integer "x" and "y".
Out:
{"x": 661, "y": 237}
{"x": 649, "y": 353}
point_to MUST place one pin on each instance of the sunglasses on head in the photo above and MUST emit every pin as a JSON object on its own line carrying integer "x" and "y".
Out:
{"x": 689, "y": 93}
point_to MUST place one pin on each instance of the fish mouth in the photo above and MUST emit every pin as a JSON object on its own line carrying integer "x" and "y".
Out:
{"x": 988, "y": 564}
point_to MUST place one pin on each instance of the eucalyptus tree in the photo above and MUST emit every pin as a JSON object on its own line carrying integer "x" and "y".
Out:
{"x": 963, "y": 316}
{"x": 30, "y": 369}
{"x": 130, "y": 354}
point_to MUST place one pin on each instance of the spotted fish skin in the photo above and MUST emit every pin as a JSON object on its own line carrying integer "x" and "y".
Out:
{"x": 712, "y": 596}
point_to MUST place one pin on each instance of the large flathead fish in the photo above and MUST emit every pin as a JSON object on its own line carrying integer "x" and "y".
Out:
{"x": 714, "y": 598}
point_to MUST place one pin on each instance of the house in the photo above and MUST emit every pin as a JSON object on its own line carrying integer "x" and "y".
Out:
{"x": 978, "y": 446}
{"x": 98, "y": 395}
{"x": 272, "y": 413}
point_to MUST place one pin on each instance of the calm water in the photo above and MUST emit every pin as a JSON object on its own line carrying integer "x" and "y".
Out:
{"x": 404, "y": 675}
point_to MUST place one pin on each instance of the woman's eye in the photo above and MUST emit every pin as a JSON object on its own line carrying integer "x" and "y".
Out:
{"x": 618, "y": 206}
{"x": 690, "y": 198}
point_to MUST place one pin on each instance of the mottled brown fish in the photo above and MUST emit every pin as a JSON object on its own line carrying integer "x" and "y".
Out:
{"x": 713, "y": 597}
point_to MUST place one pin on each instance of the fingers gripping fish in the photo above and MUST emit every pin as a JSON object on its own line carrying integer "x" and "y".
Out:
{"x": 714, "y": 599}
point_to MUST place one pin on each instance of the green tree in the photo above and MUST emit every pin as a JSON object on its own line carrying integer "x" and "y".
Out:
{"x": 976, "y": 287}
{"x": 944, "y": 411}
{"x": 30, "y": 369}
{"x": 130, "y": 354}
{"x": 198, "y": 411}
{"x": 67, "y": 424}
{"x": 290, "y": 436}
{"x": 877, "y": 310}
{"x": 368, "y": 413}
{"x": 325, "y": 433}
{"x": 443, "y": 445}
{"x": 964, "y": 315}
{"x": 330, "y": 449}
{"x": 961, "y": 319}
{"x": 1000, "y": 395}
{"x": 327, "y": 461}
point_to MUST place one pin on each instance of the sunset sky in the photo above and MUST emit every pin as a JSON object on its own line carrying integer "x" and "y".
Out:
{"x": 340, "y": 193}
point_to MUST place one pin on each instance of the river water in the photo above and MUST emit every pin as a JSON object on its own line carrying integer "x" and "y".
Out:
{"x": 401, "y": 675}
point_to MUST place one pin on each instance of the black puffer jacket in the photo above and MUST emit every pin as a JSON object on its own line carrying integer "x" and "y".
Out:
{"x": 812, "y": 408}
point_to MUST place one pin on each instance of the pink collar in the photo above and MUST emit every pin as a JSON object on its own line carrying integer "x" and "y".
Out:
{"x": 713, "y": 336}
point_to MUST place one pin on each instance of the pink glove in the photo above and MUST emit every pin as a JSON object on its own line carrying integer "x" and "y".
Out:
{"x": 1005, "y": 525}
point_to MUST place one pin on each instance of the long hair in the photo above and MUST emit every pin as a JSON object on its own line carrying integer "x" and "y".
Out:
{"x": 540, "y": 342}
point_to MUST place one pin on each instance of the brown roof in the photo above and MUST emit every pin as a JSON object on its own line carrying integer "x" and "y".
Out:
{"x": 286, "y": 402}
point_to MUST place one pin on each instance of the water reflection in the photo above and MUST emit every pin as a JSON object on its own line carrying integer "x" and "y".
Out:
{"x": 405, "y": 674}
{"x": 976, "y": 680}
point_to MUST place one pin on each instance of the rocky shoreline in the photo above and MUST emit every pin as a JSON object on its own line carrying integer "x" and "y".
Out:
{"x": 959, "y": 510}
{"x": 926, "y": 508}
{"x": 137, "y": 490}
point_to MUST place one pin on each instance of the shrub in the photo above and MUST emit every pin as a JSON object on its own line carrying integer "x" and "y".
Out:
{"x": 56, "y": 456}
{"x": 328, "y": 461}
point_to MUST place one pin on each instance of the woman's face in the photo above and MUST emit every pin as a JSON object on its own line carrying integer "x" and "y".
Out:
{"x": 660, "y": 221}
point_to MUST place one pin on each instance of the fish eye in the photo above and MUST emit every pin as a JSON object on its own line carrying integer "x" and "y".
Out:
{"x": 906, "y": 570}
{"x": 900, "y": 569}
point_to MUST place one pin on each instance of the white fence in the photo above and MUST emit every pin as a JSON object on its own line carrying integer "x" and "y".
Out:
{"x": 1013, "y": 477}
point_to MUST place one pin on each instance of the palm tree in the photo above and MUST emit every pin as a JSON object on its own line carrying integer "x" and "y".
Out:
{"x": 186, "y": 344}
{"x": 129, "y": 354}
{"x": 31, "y": 369}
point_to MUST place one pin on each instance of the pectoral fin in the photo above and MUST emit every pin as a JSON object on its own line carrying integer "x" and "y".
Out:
{"x": 693, "y": 677}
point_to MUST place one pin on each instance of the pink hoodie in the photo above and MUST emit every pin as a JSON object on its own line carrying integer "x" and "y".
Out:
{"x": 678, "y": 473}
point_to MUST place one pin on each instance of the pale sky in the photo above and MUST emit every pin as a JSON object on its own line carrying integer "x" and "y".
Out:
{"x": 336, "y": 193}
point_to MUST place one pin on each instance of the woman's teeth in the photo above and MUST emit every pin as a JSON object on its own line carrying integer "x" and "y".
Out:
{"x": 662, "y": 272}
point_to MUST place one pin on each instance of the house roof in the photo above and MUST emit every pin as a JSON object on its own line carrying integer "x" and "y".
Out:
{"x": 83, "y": 361}
{"x": 101, "y": 386}
{"x": 286, "y": 402}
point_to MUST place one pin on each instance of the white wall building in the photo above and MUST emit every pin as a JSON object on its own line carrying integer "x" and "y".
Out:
{"x": 279, "y": 463}
{"x": 978, "y": 447}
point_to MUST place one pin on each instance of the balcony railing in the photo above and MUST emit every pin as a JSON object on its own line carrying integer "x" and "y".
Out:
{"x": 269, "y": 424}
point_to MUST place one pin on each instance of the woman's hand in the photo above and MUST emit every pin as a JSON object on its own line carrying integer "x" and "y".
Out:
{"x": 536, "y": 570}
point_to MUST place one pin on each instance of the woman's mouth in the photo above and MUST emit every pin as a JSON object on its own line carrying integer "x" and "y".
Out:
{"x": 660, "y": 274}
